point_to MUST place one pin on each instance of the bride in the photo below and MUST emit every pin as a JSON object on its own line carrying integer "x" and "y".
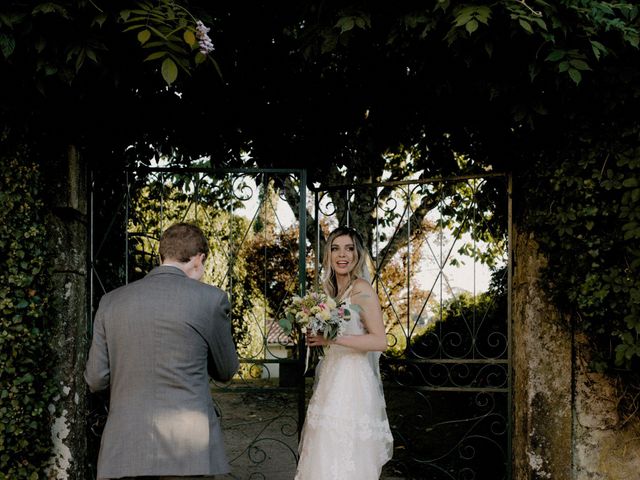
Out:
{"x": 346, "y": 433}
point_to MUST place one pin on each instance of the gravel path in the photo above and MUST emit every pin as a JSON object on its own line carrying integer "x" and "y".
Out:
{"x": 261, "y": 434}
{"x": 260, "y": 430}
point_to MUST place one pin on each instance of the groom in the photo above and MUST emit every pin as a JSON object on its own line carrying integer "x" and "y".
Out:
{"x": 155, "y": 343}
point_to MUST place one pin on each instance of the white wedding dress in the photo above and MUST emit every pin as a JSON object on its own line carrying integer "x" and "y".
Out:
{"x": 346, "y": 433}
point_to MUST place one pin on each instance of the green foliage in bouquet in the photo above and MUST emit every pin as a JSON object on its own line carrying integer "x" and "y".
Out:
{"x": 316, "y": 313}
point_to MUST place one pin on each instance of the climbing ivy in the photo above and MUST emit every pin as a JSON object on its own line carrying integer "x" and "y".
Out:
{"x": 27, "y": 387}
{"x": 585, "y": 212}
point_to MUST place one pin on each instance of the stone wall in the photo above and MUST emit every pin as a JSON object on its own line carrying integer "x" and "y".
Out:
{"x": 605, "y": 446}
{"x": 67, "y": 227}
{"x": 566, "y": 425}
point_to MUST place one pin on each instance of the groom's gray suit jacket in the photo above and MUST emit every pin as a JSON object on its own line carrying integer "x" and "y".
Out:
{"x": 152, "y": 342}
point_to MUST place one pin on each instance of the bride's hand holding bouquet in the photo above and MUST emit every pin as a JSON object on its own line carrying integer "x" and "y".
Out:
{"x": 317, "y": 315}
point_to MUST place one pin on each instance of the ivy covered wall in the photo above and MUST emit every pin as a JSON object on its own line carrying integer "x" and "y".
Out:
{"x": 577, "y": 310}
{"x": 43, "y": 277}
{"x": 28, "y": 388}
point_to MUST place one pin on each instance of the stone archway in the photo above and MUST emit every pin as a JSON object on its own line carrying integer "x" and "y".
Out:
{"x": 565, "y": 420}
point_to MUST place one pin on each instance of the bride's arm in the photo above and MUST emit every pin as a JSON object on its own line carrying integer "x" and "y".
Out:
{"x": 371, "y": 314}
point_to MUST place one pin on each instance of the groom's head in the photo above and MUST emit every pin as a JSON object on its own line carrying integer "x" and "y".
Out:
{"x": 181, "y": 242}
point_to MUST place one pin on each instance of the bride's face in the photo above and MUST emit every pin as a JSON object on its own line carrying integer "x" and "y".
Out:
{"x": 343, "y": 255}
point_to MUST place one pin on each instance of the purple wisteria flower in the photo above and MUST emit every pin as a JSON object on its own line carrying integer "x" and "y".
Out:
{"x": 202, "y": 34}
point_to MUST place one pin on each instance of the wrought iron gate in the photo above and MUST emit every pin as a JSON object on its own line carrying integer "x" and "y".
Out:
{"x": 440, "y": 253}
{"x": 447, "y": 372}
{"x": 258, "y": 255}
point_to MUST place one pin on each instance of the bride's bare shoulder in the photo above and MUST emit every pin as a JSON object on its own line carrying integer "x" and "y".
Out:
{"x": 361, "y": 288}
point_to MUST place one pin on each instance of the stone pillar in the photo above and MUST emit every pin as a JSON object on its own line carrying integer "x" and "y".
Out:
{"x": 67, "y": 227}
{"x": 542, "y": 383}
{"x": 606, "y": 446}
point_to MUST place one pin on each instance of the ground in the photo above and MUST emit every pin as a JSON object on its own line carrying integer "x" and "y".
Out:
{"x": 260, "y": 429}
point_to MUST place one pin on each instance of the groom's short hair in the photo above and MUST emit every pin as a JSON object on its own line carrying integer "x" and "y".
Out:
{"x": 181, "y": 241}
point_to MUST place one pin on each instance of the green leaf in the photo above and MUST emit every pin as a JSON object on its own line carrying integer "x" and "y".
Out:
{"x": 169, "y": 71}
{"x": 575, "y": 75}
{"x": 410, "y": 21}
{"x": 540, "y": 23}
{"x": 200, "y": 58}
{"x": 630, "y": 182}
{"x": 216, "y": 66}
{"x": 443, "y": 5}
{"x": 631, "y": 230}
{"x": 471, "y": 26}
{"x": 633, "y": 39}
{"x": 189, "y": 37}
{"x": 10, "y": 19}
{"x": 155, "y": 55}
{"x": 555, "y": 55}
{"x": 50, "y": 7}
{"x": 157, "y": 32}
{"x": 178, "y": 48}
{"x": 345, "y": 24}
{"x": 483, "y": 13}
{"x": 92, "y": 55}
{"x": 606, "y": 8}
{"x": 144, "y": 36}
{"x": 526, "y": 25}
{"x": 133, "y": 27}
{"x": 40, "y": 44}
{"x": 579, "y": 64}
{"x": 80, "y": 60}
{"x": 99, "y": 19}
{"x": 598, "y": 49}
{"x": 145, "y": 11}
{"x": 7, "y": 44}
{"x": 329, "y": 44}
{"x": 464, "y": 15}
{"x": 488, "y": 47}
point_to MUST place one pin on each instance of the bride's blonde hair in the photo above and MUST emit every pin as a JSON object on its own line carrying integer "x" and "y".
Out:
{"x": 329, "y": 283}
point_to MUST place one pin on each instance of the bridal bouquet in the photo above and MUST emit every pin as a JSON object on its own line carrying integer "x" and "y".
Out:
{"x": 316, "y": 314}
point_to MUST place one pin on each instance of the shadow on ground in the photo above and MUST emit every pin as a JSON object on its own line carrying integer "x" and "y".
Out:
{"x": 261, "y": 432}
